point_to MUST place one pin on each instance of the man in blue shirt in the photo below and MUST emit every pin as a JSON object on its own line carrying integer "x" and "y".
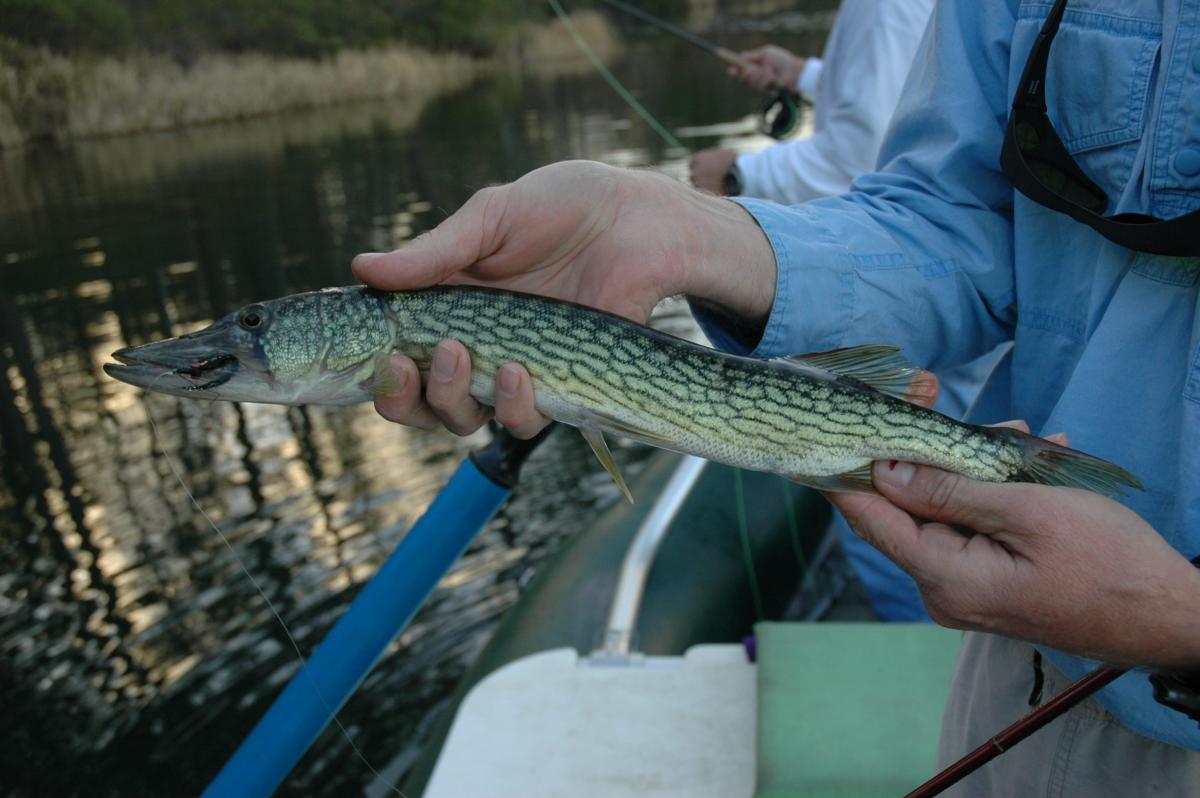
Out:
{"x": 936, "y": 252}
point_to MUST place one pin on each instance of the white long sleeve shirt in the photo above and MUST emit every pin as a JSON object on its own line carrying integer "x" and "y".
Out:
{"x": 857, "y": 85}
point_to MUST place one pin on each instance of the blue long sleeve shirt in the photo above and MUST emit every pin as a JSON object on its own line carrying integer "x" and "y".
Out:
{"x": 938, "y": 253}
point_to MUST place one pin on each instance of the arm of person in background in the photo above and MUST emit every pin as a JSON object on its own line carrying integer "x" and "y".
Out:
{"x": 870, "y": 52}
{"x": 770, "y": 66}
{"x": 766, "y": 66}
{"x": 920, "y": 255}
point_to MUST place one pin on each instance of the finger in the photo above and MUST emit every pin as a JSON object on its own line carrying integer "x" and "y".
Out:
{"x": 1060, "y": 438}
{"x": 430, "y": 258}
{"x": 404, "y": 403}
{"x": 514, "y": 402}
{"x": 937, "y": 495}
{"x": 449, "y": 388}
{"x": 924, "y": 551}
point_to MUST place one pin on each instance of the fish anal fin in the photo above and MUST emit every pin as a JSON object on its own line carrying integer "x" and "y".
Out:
{"x": 878, "y": 366}
{"x": 601, "y": 419}
{"x": 595, "y": 439}
{"x": 856, "y": 481}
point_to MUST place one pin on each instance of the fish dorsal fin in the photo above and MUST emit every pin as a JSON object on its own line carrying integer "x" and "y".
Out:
{"x": 595, "y": 439}
{"x": 877, "y": 366}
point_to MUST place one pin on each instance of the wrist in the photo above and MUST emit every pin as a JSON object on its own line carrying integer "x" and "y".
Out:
{"x": 1179, "y": 649}
{"x": 1179, "y": 689}
{"x": 791, "y": 78}
{"x": 734, "y": 264}
{"x": 731, "y": 185}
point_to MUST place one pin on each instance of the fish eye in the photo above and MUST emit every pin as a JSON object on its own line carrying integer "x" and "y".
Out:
{"x": 252, "y": 318}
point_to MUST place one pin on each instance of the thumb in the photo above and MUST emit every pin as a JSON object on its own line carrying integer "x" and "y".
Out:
{"x": 431, "y": 257}
{"x": 936, "y": 495}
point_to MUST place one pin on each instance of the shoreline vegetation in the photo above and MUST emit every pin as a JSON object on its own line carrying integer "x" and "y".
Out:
{"x": 47, "y": 96}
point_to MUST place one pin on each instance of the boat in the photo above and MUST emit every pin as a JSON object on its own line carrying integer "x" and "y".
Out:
{"x": 628, "y": 666}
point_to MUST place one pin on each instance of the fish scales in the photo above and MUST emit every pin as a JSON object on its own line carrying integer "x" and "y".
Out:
{"x": 814, "y": 418}
{"x": 772, "y": 419}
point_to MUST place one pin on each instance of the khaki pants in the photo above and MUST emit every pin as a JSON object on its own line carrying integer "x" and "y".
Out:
{"x": 1086, "y": 752}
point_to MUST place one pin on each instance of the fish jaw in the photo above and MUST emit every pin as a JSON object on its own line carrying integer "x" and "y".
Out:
{"x": 221, "y": 362}
{"x": 196, "y": 366}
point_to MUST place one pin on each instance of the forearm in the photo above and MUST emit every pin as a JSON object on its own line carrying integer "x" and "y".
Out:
{"x": 1167, "y": 636}
{"x": 806, "y": 169}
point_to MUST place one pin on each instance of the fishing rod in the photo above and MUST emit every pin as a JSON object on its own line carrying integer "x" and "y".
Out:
{"x": 1015, "y": 733}
{"x": 380, "y": 612}
{"x": 780, "y": 111}
{"x": 1166, "y": 692}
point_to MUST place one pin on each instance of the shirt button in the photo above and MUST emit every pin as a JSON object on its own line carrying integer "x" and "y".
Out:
{"x": 1187, "y": 162}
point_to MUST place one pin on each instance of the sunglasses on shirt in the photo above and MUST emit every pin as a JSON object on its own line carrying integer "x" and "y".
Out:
{"x": 1040, "y": 167}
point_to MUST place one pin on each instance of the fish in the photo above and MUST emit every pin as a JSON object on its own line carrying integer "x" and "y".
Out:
{"x": 819, "y": 419}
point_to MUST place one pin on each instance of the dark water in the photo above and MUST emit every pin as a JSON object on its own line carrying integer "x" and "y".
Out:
{"x": 134, "y": 653}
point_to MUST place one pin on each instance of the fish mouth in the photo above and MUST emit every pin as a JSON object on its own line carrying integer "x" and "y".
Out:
{"x": 153, "y": 366}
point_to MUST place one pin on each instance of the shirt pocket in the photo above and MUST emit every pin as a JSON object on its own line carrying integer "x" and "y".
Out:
{"x": 1098, "y": 80}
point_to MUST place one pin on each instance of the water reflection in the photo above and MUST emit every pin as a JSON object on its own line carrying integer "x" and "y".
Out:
{"x": 134, "y": 651}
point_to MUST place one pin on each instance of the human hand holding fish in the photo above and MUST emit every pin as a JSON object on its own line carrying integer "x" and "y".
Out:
{"x": 613, "y": 239}
{"x": 1062, "y": 567}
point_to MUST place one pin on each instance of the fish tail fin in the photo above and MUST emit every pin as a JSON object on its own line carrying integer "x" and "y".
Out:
{"x": 1048, "y": 463}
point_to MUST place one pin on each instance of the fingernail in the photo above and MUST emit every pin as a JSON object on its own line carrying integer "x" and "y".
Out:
{"x": 896, "y": 473}
{"x": 508, "y": 382}
{"x": 445, "y": 363}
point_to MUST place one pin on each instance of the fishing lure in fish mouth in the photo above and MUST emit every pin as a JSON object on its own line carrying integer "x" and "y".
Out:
{"x": 819, "y": 419}
{"x": 220, "y": 367}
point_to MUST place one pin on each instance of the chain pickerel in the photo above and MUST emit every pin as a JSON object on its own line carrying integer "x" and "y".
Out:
{"x": 819, "y": 419}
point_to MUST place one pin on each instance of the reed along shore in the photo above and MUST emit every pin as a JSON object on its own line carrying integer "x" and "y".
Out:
{"x": 46, "y": 96}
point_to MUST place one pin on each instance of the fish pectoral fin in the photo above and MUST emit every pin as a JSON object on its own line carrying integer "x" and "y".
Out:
{"x": 382, "y": 381}
{"x": 621, "y": 428}
{"x": 878, "y": 366}
{"x": 595, "y": 439}
{"x": 856, "y": 481}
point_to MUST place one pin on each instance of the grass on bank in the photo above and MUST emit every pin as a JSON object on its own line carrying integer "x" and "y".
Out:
{"x": 48, "y": 96}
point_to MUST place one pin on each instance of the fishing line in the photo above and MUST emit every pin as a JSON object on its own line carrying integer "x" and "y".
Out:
{"x": 747, "y": 551}
{"x": 793, "y": 525}
{"x": 162, "y": 449}
{"x": 621, "y": 91}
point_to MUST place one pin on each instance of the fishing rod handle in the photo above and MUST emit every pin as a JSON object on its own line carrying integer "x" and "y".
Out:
{"x": 501, "y": 460}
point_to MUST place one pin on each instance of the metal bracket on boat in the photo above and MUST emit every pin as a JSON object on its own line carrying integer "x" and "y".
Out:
{"x": 616, "y": 647}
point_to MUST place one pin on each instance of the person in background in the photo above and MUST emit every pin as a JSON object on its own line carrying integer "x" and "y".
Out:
{"x": 1047, "y": 196}
{"x": 855, "y": 86}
